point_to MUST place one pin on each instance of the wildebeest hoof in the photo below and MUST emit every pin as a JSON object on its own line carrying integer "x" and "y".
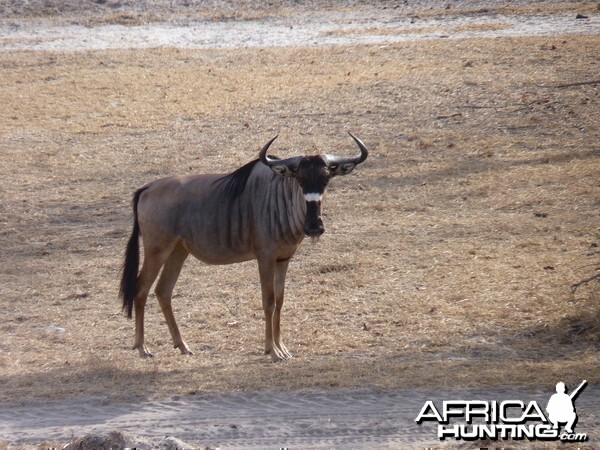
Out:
{"x": 278, "y": 354}
{"x": 144, "y": 352}
{"x": 284, "y": 352}
{"x": 184, "y": 349}
{"x": 276, "y": 358}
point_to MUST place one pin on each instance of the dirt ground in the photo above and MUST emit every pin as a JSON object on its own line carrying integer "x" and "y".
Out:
{"x": 448, "y": 256}
{"x": 317, "y": 419}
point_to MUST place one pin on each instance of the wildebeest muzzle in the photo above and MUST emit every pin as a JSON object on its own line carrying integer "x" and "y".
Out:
{"x": 313, "y": 225}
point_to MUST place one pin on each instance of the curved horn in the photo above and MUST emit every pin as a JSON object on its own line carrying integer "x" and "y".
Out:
{"x": 292, "y": 162}
{"x": 263, "y": 153}
{"x": 339, "y": 160}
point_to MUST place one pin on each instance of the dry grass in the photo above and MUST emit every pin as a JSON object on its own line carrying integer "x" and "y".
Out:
{"x": 448, "y": 256}
{"x": 135, "y": 12}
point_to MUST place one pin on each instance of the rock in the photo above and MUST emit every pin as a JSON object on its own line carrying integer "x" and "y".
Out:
{"x": 103, "y": 441}
{"x": 172, "y": 443}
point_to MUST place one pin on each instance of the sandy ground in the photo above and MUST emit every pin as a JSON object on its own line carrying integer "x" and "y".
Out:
{"x": 337, "y": 418}
{"x": 314, "y": 28}
{"x": 358, "y": 418}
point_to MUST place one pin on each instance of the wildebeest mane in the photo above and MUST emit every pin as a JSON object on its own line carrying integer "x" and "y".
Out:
{"x": 236, "y": 181}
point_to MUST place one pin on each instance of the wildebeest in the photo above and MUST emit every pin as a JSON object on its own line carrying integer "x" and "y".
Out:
{"x": 261, "y": 211}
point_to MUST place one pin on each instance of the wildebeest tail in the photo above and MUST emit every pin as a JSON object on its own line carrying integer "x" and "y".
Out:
{"x": 129, "y": 280}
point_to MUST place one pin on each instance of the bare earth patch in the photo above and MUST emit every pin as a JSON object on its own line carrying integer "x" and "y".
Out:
{"x": 448, "y": 256}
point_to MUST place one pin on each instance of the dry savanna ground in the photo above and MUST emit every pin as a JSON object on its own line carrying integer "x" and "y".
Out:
{"x": 448, "y": 256}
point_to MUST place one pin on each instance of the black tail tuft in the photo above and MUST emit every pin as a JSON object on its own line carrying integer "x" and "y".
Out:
{"x": 129, "y": 281}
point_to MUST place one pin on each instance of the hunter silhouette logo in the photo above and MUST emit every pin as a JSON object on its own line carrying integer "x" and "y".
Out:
{"x": 561, "y": 408}
{"x": 509, "y": 419}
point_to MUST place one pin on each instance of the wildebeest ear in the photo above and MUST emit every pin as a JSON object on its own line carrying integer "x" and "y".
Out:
{"x": 342, "y": 169}
{"x": 283, "y": 170}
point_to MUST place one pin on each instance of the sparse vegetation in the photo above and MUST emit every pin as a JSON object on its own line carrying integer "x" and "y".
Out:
{"x": 447, "y": 258}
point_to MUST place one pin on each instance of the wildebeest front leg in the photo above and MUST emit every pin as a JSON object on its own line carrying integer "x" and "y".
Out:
{"x": 266, "y": 269}
{"x": 280, "y": 273}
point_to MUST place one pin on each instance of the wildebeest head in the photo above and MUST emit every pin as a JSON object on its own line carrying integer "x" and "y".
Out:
{"x": 313, "y": 174}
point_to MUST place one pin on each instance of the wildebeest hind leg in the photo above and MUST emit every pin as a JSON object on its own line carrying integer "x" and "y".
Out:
{"x": 164, "y": 292}
{"x": 153, "y": 261}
